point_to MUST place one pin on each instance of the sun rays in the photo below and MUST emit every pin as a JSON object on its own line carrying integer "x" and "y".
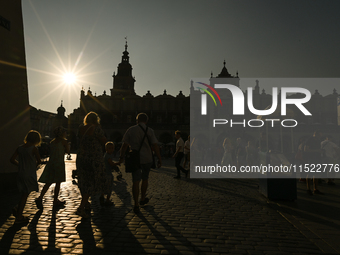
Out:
{"x": 65, "y": 76}
{"x": 69, "y": 78}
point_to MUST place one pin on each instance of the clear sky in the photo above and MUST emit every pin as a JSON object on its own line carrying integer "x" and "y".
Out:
{"x": 172, "y": 41}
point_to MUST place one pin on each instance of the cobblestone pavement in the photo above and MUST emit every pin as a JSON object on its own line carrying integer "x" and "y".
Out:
{"x": 186, "y": 216}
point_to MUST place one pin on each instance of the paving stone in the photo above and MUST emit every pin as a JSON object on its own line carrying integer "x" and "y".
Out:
{"x": 169, "y": 252}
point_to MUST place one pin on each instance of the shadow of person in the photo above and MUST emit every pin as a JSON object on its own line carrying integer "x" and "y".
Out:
{"x": 8, "y": 201}
{"x": 34, "y": 242}
{"x": 52, "y": 235}
{"x": 7, "y": 239}
{"x": 116, "y": 235}
{"x": 114, "y": 232}
{"x": 85, "y": 232}
{"x": 164, "y": 230}
{"x": 120, "y": 189}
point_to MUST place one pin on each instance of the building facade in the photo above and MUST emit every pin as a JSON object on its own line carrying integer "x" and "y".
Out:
{"x": 14, "y": 90}
{"x": 324, "y": 116}
{"x": 118, "y": 110}
{"x": 45, "y": 122}
{"x": 13, "y": 81}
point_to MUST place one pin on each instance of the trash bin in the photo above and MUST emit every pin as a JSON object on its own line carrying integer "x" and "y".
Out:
{"x": 278, "y": 188}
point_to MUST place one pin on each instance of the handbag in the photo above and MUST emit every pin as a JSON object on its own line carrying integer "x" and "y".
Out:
{"x": 153, "y": 165}
{"x": 132, "y": 159}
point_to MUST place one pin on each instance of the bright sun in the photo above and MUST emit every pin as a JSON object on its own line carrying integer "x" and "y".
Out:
{"x": 69, "y": 78}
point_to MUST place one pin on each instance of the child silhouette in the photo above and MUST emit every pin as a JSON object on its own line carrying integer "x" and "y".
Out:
{"x": 54, "y": 171}
{"x": 109, "y": 167}
{"x": 28, "y": 160}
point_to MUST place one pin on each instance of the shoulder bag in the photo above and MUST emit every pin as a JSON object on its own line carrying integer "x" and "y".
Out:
{"x": 132, "y": 158}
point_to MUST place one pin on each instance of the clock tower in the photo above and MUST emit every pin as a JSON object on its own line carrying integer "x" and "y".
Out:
{"x": 123, "y": 81}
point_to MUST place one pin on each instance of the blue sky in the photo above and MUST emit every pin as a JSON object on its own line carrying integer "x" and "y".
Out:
{"x": 172, "y": 41}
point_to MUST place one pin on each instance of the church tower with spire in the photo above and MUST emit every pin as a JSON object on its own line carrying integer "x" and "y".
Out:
{"x": 225, "y": 77}
{"x": 123, "y": 81}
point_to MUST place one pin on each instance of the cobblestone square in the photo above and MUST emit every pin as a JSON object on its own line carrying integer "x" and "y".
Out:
{"x": 186, "y": 216}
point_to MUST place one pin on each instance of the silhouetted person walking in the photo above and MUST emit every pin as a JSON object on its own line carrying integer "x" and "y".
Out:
{"x": 54, "y": 171}
{"x": 179, "y": 155}
{"x": 90, "y": 161}
{"x": 28, "y": 160}
{"x": 133, "y": 137}
{"x": 313, "y": 153}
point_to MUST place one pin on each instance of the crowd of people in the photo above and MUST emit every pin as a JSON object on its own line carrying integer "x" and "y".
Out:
{"x": 94, "y": 167}
{"x": 317, "y": 150}
{"x": 241, "y": 154}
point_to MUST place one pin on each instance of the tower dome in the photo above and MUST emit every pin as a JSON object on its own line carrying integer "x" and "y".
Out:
{"x": 61, "y": 110}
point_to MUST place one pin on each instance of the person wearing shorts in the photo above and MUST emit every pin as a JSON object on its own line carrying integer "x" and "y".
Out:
{"x": 133, "y": 138}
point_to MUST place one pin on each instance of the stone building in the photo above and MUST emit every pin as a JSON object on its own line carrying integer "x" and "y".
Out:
{"x": 118, "y": 110}
{"x": 45, "y": 122}
{"x": 323, "y": 109}
{"x": 42, "y": 121}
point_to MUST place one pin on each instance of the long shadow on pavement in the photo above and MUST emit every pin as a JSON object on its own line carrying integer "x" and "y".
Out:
{"x": 34, "y": 242}
{"x": 52, "y": 235}
{"x": 108, "y": 230}
{"x": 7, "y": 238}
{"x": 8, "y": 200}
{"x": 86, "y": 234}
{"x": 252, "y": 195}
{"x": 169, "y": 230}
{"x": 120, "y": 189}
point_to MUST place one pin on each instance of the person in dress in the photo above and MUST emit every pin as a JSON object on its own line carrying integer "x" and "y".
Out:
{"x": 90, "y": 161}
{"x": 28, "y": 160}
{"x": 54, "y": 171}
{"x": 240, "y": 153}
{"x": 252, "y": 154}
{"x": 228, "y": 147}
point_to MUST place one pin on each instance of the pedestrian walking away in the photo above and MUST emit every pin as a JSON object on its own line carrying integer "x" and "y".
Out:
{"x": 133, "y": 138}
{"x": 90, "y": 161}
{"x": 179, "y": 154}
{"x": 313, "y": 154}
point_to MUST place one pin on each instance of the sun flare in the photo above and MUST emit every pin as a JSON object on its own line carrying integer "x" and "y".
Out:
{"x": 69, "y": 78}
